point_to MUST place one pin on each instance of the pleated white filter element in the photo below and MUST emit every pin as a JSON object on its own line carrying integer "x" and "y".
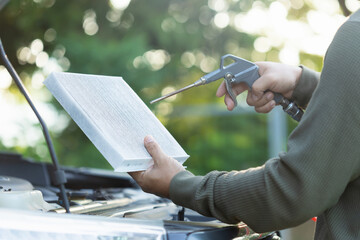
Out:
{"x": 113, "y": 117}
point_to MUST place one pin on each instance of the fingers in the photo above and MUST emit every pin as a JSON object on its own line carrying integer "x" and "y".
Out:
{"x": 267, "y": 97}
{"x": 229, "y": 102}
{"x": 265, "y": 82}
{"x": 221, "y": 90}
{"x": 266, "y": 108}
{"x": 156, "y": 179}
{"x": 238, "y": 89}
{"x": 263, "y": 105}
{"x": 262, "y": 102}
{"x": 260, "y": 86}
{"x": 154, "y": 149}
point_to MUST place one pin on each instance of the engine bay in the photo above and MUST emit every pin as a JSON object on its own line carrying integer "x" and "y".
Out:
{"x": 27, "y": 185}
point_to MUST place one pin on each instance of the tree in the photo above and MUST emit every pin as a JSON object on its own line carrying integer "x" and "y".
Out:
{"x": 155, "y": 46}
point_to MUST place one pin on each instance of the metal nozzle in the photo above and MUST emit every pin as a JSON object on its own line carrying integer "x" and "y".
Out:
{"x": 195, "y": 84}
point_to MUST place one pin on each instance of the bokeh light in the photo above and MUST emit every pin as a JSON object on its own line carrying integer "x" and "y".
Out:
{"x": 89, "y": 23}
{"x": 120, "y": 4}
{"x": 221, "y": 20}
{"x": 5, "y": 78}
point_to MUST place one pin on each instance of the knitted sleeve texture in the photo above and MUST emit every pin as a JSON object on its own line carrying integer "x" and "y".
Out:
{"x": 321, "y": 165}
{"x": 304, "y": 89}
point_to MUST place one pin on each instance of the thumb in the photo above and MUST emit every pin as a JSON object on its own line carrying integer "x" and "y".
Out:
{"x": 261, "y": 85}
{"x": 154, "y": 149}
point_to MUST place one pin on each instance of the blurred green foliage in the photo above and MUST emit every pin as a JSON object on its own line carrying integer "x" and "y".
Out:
{"x": 119, "y": 46}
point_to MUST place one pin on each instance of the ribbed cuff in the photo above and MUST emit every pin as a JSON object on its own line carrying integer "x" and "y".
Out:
{"x": 183, "y": 187}
{"x": 304, "y": 89}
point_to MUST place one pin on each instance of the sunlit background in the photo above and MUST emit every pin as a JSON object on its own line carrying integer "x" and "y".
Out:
{"x": 157, "y": 46}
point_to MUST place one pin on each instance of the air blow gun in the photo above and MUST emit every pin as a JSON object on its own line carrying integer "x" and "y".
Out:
{"x": 240, "y": 70}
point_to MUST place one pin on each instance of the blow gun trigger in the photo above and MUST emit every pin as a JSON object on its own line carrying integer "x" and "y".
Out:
{"x": 240, "y": 71}
{"x": 228, "y": 84}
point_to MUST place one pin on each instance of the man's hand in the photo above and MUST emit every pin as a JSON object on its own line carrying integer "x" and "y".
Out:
{"x": 156, "y": 179}
{"x": 274, "y": 77}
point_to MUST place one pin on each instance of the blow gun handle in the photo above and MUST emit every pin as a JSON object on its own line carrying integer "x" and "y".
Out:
{"x": 245, "y": 71}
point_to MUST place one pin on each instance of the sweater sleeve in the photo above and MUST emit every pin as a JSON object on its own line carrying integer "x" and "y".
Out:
{"x": 303, "y": 91}
{"x": 321, "y": 160}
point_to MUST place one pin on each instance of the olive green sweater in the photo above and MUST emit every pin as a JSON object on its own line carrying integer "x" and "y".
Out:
{"x": 319, "y": 175}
